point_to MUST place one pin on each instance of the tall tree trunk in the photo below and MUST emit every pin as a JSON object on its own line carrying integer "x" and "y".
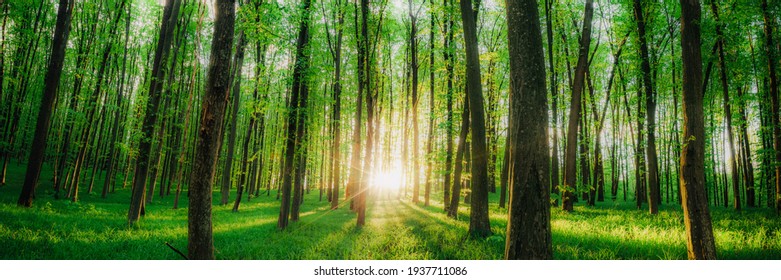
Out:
{"x": 200, "y": 241}
{"x": 430, "y": 143}
{"x": 699, "y": 231}
{"x": 413, "y": 46}
{"x": 555, "y": 178}
{"x": 170, "y": 18}
{"x": 238, "y": 63}
{"x": 746, "y": 161}
{"x": 727, "y": 109}
{"x": 452, "y": 210}
{"x": 528, "y": 227}
{"x": 51, "y": 81}
{"x": 336, "y": 154}
{"x": 296, "y": 117}
{"x": 479, "y": 225}
{"x": 364, "y": 83}
{"x": 650, "y": 103}
{"x": 449, "y": 59}
{"x": 570, "y": 174}
{"x": 771, "y": 66}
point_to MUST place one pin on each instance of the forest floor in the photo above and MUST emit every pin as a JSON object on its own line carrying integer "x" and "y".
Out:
{"x": 96, "y": 228}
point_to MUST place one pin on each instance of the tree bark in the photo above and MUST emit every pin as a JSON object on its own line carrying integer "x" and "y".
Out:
{"x": 200, "y": 241}
{"x": 528, "y": 227}
{"x": 699, "y": 232}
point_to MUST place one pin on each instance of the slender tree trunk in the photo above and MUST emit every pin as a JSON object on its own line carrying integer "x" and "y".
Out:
{"x": 449, "y": 59}
{"x": 699, "y": 232}
{"x": 771, "y": 65}
{"x": 727, "y": 109}
{"x": 413, "y": 46}
{"x": 555, "y": 177}
{"x": 570, "y": 174}
{"x": 430, "y": 143}
{"x": 650, "y": 103}
{"x": 296, "y": 117}
{"x": 479, "y": 225}
{"x": 51, "y": 81}
{"x": 170, "y": 18}
{"x": 452, "y": 210}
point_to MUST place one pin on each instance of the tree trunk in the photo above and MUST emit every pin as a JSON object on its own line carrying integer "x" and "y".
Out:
{"x": 452, "y": 210}
{"x": 296, "y": 116}
{"x": 449, "y": 59}
{"x": 570, "y": 174}
{"x": 727, "y": 109}
{"x": 771, "y": 66}
{"x": 528, "y": 227}
{"x": 430, "y": 143}
{"x": 51, "y": 81}
{"x": 555, "y": 178}
{"x": 479, "y": 225}
{"x": 170, "y": 18}
{"x": 650, "y": 103}
{"x": 700, "y": 242}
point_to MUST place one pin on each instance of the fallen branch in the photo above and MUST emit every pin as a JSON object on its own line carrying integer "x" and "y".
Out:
{"x": 176, "y": 250}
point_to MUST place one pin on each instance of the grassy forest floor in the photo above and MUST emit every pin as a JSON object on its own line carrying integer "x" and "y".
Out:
{"x": 96, "y": 228}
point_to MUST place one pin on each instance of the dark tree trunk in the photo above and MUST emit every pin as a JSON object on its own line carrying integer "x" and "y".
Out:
{"x": 479, "y": 225}
{"x": 452, "y": 210}
{"x": 555, "y": 178}
{"x": 363, "y": 87}
{"x": 771, "y": 66}
{"x": 430, "y": 143}
{"x": 699, "y": 232}
{"x": 449, "y": 59}
{"x": 413, "y": 46}
{"x": 528, "y": 227}
{"x": 238, "y": 63}
{"x": 570, "y": 174}
{"x": 296, "y": 117}
{"x": 51, "y": 81}
{"x": 727, "y": 108}
{"x": 336, "y": 154}
{"x": 170, "y": 16}
{"x": 650, "y": 104}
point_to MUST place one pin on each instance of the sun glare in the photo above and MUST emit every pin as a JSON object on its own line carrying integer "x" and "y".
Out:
{"x": 387, "y": 180}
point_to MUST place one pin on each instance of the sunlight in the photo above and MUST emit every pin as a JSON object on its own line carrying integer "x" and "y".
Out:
{"x": 387, "y": 180}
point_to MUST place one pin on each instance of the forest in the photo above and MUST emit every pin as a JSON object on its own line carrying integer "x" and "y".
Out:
{"x": 390, "y": 129}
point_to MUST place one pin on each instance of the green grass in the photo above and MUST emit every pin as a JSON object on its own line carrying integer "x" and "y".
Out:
{"x": 96, "y": 228}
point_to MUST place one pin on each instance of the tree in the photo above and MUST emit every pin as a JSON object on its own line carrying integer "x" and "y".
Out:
{"x": 528, "y": 227}
{"x": 199, "y": 239}
{"x": 650, "y": 101}
{"x": 52, "y": 80}
{"x": 296, "y": 117}
{"x": 574, "y": 113}
{"x": 771, "y": 69}
{"x": 699, "y": 233}
{"x": 479, "y": 225}
{"x": 170, "y": 18}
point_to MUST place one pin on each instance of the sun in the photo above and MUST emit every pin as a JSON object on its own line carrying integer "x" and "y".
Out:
{"x": 387, "y": 180}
